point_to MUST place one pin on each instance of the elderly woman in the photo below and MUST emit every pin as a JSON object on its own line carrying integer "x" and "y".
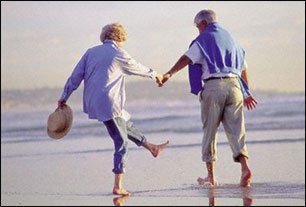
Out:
{"x": 104, "y": 69}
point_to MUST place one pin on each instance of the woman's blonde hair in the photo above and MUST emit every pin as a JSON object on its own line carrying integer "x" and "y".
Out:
{"x": 114, "y": 31}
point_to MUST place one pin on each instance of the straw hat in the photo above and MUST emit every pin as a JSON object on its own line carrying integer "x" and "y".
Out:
{"x": 59, "y": 122}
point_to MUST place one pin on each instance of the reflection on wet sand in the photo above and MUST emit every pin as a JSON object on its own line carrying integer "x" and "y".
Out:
{"x": 223, "y": 194}
{"x": 120, "y": 201}
{"x": 245, "y": 195}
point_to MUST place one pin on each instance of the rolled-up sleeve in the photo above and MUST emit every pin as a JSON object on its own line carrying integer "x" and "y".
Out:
{"x": 131, "y": 67}
{"x": 194, "y": 53}
{"x": 75, "y": 78}
{"x": 245, "y": 65}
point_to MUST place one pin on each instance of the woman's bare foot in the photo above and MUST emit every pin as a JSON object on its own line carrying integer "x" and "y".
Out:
{"x": 157, "y": 149}
{"x": 121, "y": 191}
{"x": 207, "y": 180}
{"x": 245, "y": 178}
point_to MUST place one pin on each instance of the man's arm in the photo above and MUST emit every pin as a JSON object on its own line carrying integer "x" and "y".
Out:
{"x": 179, "y": 65}
{"x": 244, "y": 76}
{"x": 249, "y": 102}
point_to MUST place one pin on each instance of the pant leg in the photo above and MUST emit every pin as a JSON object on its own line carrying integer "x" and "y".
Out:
{"x": 117, "y": 130}
{"x": 233, "y": 120}
{"x": 212, "y": 102}
{"x": 134, "y": 134}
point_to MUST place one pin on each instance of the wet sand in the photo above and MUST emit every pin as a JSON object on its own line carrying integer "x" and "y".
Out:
{"x": 78, "y": 172}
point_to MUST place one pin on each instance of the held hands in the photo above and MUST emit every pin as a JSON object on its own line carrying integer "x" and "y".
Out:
{"x": 250, "y": 103}
{"x": 158, "y": 79}
{"x": 161, "y": 79}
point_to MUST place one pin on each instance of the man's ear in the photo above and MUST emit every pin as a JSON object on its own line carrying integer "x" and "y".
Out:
{"x": 205, "y": 23}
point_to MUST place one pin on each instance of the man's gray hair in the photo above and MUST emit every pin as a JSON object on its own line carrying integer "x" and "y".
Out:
{"x": 206, "y": 14}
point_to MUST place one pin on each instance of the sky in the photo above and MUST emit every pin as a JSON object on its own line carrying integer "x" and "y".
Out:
{"x": 41, "y": 42}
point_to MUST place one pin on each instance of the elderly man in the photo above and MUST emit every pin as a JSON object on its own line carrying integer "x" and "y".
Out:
{"x": 104, "y": 69}
{"x": 216, "y": 60}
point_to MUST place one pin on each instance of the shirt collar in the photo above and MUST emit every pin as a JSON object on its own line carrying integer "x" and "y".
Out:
{"x": 110, "y": 42}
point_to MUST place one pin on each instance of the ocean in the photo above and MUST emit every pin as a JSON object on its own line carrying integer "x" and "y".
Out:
{"x": 170, "y": 109}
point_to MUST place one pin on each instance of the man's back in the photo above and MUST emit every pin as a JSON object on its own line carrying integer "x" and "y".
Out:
{"x": 220, "y": 50}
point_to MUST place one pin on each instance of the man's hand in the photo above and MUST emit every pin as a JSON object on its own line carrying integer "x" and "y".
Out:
{"x": 158, "y": 79}
{"x": 250, "y": 102}
{"x": 165, "y": 78}
{"x": 61, "y": 103}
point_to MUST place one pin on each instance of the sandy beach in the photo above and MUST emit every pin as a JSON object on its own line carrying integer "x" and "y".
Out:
{"x": 78, "y": 172}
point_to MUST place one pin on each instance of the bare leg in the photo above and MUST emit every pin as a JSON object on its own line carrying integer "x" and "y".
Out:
{"x": 118, "y": 190}
{"x": 210, "y": 175}
{"x": 246, "y": 173}
{"x": 155, "y": 149}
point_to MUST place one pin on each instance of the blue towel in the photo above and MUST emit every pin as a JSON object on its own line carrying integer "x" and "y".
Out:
{"x": 195, "y": 81}
{"x": 195, "y": 76}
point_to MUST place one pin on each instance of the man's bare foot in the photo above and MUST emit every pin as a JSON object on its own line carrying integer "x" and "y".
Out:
{"x": 207, "y": 180}
{"x": 245, "y": 178}
{"x": 157, "y": 149}
{"x": 119, "y": 201}
{"x": 121, "y": 191}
